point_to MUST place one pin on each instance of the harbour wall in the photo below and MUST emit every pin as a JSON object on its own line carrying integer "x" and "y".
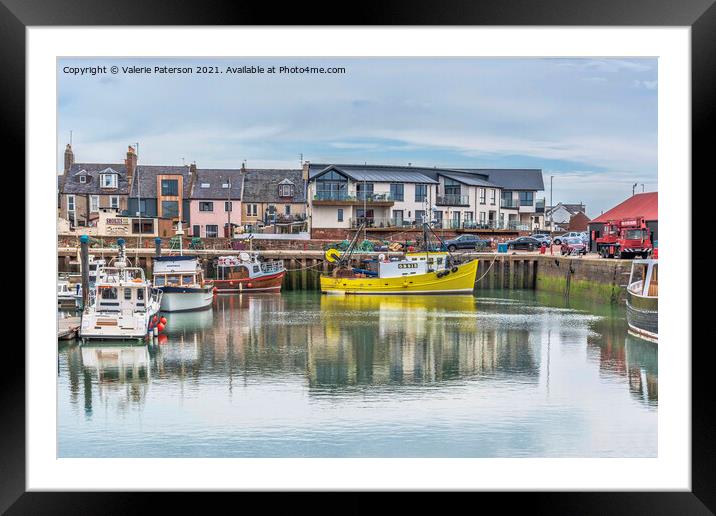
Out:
{"x": 597, "y": 279}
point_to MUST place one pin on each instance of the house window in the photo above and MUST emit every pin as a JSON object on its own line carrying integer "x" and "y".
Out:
{"x": 492, "y": 196}
{"x": 340, "y": 214}
{"x": 170, "y": 209}
{"x": 251, "y": 210}
{"x": 206, "y": 206}
{"x": 83, "y": 179}
{"x": 468, "y": 216}
{"x": 452, "y": 187}
{"x": 94, "y": 203}
{"x": 114, "y": 202}
{"x": 170, "y": 187}
{"x": 228, "y": 206}
{"x": 146, "y": 228}
{"x": 364, "y": 191}
{"x": 482, "y": 217}
{"x": 482, "y": 196}
{"x": 421, "y": 193}
{"x": 70, "y": 203}
{"x": 397, "y": 191}
{"x": 196, "y": 231}
{"x": 331, "y": 186}
{"x": 108, "y": 180}
{"x": 285, "y": 190}
{"x": 212, "y": 231}
{"x": 287, "y": 209}
{"x": 526, "y": 199}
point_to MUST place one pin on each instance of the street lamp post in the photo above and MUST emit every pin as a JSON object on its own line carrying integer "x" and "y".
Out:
{"x": 551, "y": 205}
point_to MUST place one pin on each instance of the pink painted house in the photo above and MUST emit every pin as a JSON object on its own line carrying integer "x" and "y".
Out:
{"x": 216, "y": 202}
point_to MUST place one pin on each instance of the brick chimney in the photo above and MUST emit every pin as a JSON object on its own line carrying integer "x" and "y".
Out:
{"x": 243, "y": 167}
{"x": 306, "y": 165}
{"x": 69, "y": 158}
{"x": 131, "y": 164}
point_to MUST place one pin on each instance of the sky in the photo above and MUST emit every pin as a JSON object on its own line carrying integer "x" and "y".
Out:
{"x": 590, "y": 124}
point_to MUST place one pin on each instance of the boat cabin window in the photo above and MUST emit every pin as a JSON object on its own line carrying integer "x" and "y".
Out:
{"x": 140, "y": 294}
{"x": 187, "y": 279}
{"x": 127, "y": 293}
{"x": 159, "y": 281}
{"x": 109, "y": 293}
{"x": 172, "y": 279}
{"x": 257, "y": 268}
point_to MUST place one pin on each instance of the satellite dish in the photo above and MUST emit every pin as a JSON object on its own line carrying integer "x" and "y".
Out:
{"x": 244, "y": 257}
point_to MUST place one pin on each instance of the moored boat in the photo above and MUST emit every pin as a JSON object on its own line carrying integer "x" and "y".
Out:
{"x": 181, "y": 280}
{"x": 425, "y": 272}
{"x": 121, "y": 303}
{"x": 643, "y": 300}
{"x": 248, "y": 273}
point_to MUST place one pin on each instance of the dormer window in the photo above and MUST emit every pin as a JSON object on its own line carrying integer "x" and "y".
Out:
{"x": 285, "y": 190}
{"x": 108, "y": 180}
{"x": 83, "y": 179}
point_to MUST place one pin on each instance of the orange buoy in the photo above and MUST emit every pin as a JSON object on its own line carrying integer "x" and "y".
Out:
{"x": 163, "y": 320}
{"x": 160, "y": 327}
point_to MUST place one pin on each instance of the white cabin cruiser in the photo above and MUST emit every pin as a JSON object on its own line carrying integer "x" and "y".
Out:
{"x": 181, "y": 280}
{"x": 121, "y": 303}
{"x": 67, "y": 296}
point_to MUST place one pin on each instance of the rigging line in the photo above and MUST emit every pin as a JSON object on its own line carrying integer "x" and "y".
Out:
{"x": 488, "y": 269}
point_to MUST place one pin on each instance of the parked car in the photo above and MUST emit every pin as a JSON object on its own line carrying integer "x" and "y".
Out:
{"x": 573, "y": 245}
{"x": 525, "y": 242}
{"x": 546, "y": 239}
{"x": 560, "y": 238}
{"x": 466, "y": 242}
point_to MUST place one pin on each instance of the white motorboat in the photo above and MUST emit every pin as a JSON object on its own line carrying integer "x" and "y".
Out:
{"x": 181, "y": 280}
{"x": 121, "y": 303}
{"x": 67, "y": 296}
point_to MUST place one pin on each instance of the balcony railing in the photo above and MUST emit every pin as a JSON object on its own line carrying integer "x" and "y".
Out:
{"x": 452, "y": 200}
{"x": 510, "y": 203}
{"x": 353, "y": 196}
{"x": 397, "y": 223}
{"x": 385, "y": 222}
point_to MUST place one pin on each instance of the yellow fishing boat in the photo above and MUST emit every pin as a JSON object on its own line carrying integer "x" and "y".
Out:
{"x": 417, "y": 273}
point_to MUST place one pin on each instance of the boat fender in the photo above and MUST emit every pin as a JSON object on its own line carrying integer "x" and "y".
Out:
{"x": 454, "y": 269}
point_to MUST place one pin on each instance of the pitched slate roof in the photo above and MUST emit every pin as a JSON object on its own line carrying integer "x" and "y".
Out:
{"x": 638, "y": 205}
{"x": 261, "y": 185}
{"x": 145, "y": 179}
{"x": 512, "y": 178}
{"x": 468, "y": 179}
{"x": 377, "y": 173}
{"x": 215, "y": 178}
{"x": 71, "y": 182}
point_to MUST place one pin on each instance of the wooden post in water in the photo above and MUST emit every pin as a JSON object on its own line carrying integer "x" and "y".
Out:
{"x": 84, "y": 260}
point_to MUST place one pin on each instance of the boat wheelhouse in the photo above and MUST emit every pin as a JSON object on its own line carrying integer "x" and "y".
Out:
{"x": 121, "y": 303}
{"x": 67, "y": 295}
{"x": 643, "y": 300}
{"x": 181, "y": 280}
{"x": 248, "y": 273}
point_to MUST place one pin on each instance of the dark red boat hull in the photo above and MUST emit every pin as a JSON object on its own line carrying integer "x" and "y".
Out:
{"x": 268, "y": 283}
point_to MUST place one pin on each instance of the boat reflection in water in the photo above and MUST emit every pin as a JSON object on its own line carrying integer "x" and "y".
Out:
{"x": 298, "y": 374}
{"x": 413, "y": 339}
{"x": 642, "y": 363}
{"x": 121, "y": 372}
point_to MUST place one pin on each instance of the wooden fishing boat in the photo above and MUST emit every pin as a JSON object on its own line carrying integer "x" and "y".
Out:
{"x": 427, "y": 272}
{"x": 248, "y": 273}
{"x": 643, "y": 300}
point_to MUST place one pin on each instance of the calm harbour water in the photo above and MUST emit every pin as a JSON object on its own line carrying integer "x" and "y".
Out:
{"x": 502, "y": 374}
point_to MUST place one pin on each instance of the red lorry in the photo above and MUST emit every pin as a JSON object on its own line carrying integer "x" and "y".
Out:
{"x": 625, "y": 238}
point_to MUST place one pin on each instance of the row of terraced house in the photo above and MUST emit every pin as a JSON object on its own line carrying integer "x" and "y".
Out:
{"x": 326, "y": 200}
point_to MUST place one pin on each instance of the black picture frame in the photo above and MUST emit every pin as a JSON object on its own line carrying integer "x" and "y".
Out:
{"x": 700, "y": 15}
